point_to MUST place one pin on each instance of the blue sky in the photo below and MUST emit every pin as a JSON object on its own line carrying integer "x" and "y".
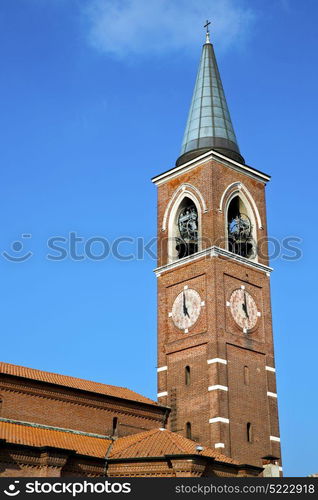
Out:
{"x": 94, "y": 99}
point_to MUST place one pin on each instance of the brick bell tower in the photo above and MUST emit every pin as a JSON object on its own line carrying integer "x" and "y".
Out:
{"x": 216, "y": 366}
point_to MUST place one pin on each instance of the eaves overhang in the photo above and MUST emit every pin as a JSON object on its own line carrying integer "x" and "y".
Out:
{"x": 206, "y": 157}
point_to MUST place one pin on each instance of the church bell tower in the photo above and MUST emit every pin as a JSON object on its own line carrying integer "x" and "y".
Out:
{"x": 216, "y": 368}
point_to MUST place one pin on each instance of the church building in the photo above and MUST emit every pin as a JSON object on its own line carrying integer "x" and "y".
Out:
{"x": 216, "y": 413}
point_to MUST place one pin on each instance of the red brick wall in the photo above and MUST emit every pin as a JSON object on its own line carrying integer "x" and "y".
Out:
{"x": 216, "y": 334}
{"x": 189, "y": 406}
{"x": 32, "y": 462}
{"x": 248, "y": 403}
{"x": 71, "y": 409}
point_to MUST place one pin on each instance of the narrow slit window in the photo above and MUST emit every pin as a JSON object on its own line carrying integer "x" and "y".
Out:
{"x": 246, "y": 375}
{"x": 187, "y": 375}
{"x": 115, "y": 426}
{"x": 188, "y": 430}
{"x": 249, "y": 432}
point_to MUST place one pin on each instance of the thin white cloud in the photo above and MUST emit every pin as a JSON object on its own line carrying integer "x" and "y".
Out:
{"x": 130, "y": 28}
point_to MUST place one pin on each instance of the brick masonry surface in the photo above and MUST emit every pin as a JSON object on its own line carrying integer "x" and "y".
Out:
{"x": 45, "y": 404}
{"x": 215, "y": 334}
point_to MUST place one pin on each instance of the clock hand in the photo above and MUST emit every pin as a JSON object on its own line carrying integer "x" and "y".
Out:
{"x": 184, "y": 304}
{"x": 245, "y": 306}
{"x": 185, "y": 309}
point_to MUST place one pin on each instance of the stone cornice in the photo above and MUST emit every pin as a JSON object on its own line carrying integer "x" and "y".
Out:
{"x": 211, "y": 155}
{"x": 54, "y": 457}
{"x": 210, "y": 252}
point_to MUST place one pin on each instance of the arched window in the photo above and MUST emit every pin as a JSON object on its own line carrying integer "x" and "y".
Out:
{"x": 187, "y": 377}
{"x": 187, "y": 229}
{"x": 249, "y": 432}
{"x": 0, "y": 405}
{"x": 188, "y": 430}
{"x": 115, "y": 426}
{"x": 246, "y": 375}
{"x": 184, "y": 227}
{"x": 241, "y": 233}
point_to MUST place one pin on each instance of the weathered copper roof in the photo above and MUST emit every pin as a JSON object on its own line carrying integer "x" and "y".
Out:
{"x": 209, "y": 124}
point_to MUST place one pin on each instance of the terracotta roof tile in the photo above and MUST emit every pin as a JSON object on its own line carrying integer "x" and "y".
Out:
{"x": 38, "y": 437}
{"x": 153, "y": 443}
{"x": 157, "y": 442}
{"x": 73, "y": 383}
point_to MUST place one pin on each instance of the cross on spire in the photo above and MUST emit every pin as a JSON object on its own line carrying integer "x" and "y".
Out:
{"x": 207, "y": 26}
{"x": 207, "y": 31}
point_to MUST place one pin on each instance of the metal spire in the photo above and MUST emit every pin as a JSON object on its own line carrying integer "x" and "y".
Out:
{"x": 209, "y": 124}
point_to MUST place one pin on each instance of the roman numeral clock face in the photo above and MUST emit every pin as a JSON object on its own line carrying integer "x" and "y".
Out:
{"x": 243, "y": 309}
{"x": 186, "y": 309}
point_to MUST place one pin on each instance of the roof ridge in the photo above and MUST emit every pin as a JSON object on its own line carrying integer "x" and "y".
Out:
{"x": 215, "y": 454}
{"x": 53, "y": 428}
{"x": 40, "y": 437}
{"x": 174, "y": 438}
{"x": 143, "y": 436}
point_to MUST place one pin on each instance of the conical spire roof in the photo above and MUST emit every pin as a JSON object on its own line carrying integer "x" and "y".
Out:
{"x": 209, "y": 124}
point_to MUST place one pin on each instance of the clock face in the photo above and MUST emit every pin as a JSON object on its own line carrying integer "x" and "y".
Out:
{"x": 243, "y": 309}
{"x": 186, "y": 308}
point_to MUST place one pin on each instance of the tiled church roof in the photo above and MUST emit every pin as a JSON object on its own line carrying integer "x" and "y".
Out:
{"x": 73, "y": 383}
{"x": 160, "y": 442}
{"x": 153, "y": 443}
{"x": 28, "y": 435}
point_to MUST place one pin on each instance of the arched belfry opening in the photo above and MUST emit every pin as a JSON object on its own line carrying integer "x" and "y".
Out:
{"x": 186, "y": 229}
{"x": 183, "y": 216}
{"x": 240, "y": 228}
